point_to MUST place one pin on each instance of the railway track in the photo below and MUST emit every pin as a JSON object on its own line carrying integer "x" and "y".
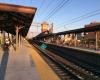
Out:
{"x": 65, "y": 69}
{"x": 61, "y": 70}
{"x": 89, "y": 62}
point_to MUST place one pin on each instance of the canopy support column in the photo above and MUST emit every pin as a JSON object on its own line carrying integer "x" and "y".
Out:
{"x": 75, "y": 40}
{"x": 17, "y": 30}
{"x": 19, "y": 39}
{"x": 96, "y": 44}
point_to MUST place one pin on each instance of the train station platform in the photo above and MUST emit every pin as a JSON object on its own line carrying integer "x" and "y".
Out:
{"x": 24, "y": 63}
{"x": 79, "y": 48}
{"x": 86, "y": 49}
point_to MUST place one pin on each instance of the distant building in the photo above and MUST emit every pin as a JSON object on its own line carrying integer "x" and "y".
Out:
{"x": 31, "y": 34}
{"x": 51, "y": 28}
{"x": 44, "y": 27}
{"x": 90, "y": 37}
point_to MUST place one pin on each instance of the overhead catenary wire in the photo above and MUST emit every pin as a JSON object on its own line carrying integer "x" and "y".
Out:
{"x": 40, "y": 7}
{"x": 59, "y": 3}
{"x": 57, "y": 8}
{"x": 42, "y": 3}
{"x": 80, "y": 16}
{"x": 85, "y": 16}
{"x": 50, "y": 3}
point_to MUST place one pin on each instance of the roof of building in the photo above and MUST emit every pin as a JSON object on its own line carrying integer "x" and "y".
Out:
{"x": 12, "y": 15}
{"x": 75, "y": 31}
{"x": 92, "y": 24}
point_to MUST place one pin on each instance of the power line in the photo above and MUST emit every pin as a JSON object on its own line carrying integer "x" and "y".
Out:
{"x": 85, "y": 16}
{"x": 81, "y": 16}
{"x": 57, "y": 8}
{"x": 59, "y": 3}
{"x": 50, "y": 3}
{"x": 40, "y": 7}
{"x": 42, "y": 3}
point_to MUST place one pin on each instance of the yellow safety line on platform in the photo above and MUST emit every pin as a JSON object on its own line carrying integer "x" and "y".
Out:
{"x": 46, "y": 73}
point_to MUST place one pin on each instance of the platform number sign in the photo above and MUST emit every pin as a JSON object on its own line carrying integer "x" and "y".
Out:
{"x": 43, "y": 46}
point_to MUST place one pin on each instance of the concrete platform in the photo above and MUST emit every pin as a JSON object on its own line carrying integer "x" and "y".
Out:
{"x": 24, "y": 63}
{"x": 88, "y": 50}
{"x": 79, "y": 48}
{"x": 46, "y": 73}
{"x": 17, "y": 65}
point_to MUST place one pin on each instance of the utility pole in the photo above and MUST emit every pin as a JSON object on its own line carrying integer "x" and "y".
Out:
{"x": 52, "y": 27}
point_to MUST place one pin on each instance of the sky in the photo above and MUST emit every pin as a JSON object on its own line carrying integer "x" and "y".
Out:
{"x": 63, "y": 18}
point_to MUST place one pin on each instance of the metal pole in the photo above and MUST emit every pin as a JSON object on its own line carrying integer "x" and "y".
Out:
{"x": 19, "y": 39}
{"x": 3, "y": 39}
{"x": 11, "y": 38}
{"x": 16, "y": 36}
{"x": 96, "y": 47}
{"x": 75, "y": 40}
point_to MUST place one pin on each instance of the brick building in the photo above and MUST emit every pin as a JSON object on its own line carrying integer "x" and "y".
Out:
{"x": 90, "y": 37}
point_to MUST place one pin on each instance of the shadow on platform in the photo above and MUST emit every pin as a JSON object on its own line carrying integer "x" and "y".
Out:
{"x": 4, "y": 62}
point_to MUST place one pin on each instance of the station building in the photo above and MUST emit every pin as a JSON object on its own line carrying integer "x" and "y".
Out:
{"x": 90, "y": 37}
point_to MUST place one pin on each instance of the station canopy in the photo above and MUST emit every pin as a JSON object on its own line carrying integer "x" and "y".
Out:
{"x": 16, "y": 15}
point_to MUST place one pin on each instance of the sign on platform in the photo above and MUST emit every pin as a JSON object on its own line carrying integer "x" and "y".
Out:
{"x": 43, "y": 46}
